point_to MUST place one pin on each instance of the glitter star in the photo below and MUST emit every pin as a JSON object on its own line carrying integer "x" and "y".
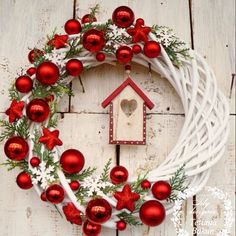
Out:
{"x": 15, "y": 110}
{"x": 58, "y": 41}
{"x": 139, "y": 33}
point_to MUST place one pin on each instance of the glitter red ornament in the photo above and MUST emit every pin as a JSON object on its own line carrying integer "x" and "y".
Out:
{"x": 16, "y": 148}
{"x": 91, "y": 229}
{"x": 136, "y": 49}
{"x": 35, "y": 161}
{"x": 119, "y": 174}
{"x": 58, "y": 41}
{"x": 74, "y": 67}
{"x": 23, "y": 180}
{"x": 72, "y": 161}
{"x": 72, "y": 26}
{"x": 145, "y": 184}
{"x": 34, "y": 55}
{"x": 72, "y": 214}
{"x": 24, "y": 84}
{"x": 88, "y": 18}
{"x": 121, "y": 225}
{"x": 43, "y": 196}
{"x": 152, "y": 49}
{"x": 161, "y": 190}
{"x": 100, "y": 56}
{"x": 55, "y": 194}
{"x": 31, "y": 71}
{"x": 74, "y": 185}
{"x": 152, "y": 213}
{"x": 123, "y": 17}
{"x": 15, "y": 110}
{"x": 124, "y": 54}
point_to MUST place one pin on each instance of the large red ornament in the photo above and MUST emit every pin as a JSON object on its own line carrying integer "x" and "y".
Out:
{"x": 24, "y": 84}
{"x": 23, "y": 180}
{"x": 55, "y": 194}
{"x": 58, "y": 41}
{"x": 91, "y": 229}
{"x": 88, "y": 18}
{"x": 15, "y": 110}
{"x": 72, "y": 161}
{"x": 16, "y": 148}
{"x": 35, "y": 161}
{"x": 93, "y": 40}
{"x": 47, "y": 73}
{"x": 74, "y": 185}
{"x": 74, "y": 67}
{"x": 34, "y": 55}
{"x": 31, "y": 71}
{"x": 124, "y": 54}
{"x": 98, "y": 210}
{"x": 119, "y": 174}
{"x": 37, "y": 110}
{"x": 72, "y": 214}
{"x": 72, "y": 26}
{"x": 123, "y": 17}
{"x": 152, "y": 213}
{"x": 152, "y": 49}
{"x": 161, "y": 190}
{"x": 121, "y": 225}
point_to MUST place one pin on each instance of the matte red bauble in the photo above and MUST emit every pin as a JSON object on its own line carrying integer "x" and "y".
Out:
{"x": 88, "y": 19}
{"x": 43, "y": 196}
{"x": 152, "y": 49}
{"x": 100, "y": 56}
{"x": 31, "y": 71}
{"x": 16, "y": 148}
{"x": 72, "y": 161}
{"x": 119, "y": 174}
{"x": 152, "y": 213}
{"x": 24, "y": 84}
{"x": 161, "y": 190}
{"x": 124, "y": 54}
{"x": 93, "y": 40}
{"x": 98, "y": 211}
{"x": 145, "y": 184}
{"x": 37, "y": 110}
{"x": 55, "y": 194}
{"x": 74, "y": 185}
{"x": 72, "y": 26}
{"x": 47, "y": 73}
{"x": 34, "y": 55}
{"x": 35, "y": 161}
{"x": 123, "y": 17}
{"x": 121, "y": 225}
{"x": 23, "y": 180}
{"x": 91, "y": 229}
{"x": 74, "y": 67}
{"x": 136, "y": 49}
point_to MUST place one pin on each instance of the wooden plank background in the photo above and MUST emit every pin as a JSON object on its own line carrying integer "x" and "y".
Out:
{"x": 206, "y": 25}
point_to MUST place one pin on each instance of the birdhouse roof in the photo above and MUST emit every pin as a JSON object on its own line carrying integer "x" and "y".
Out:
{"x": 127, "y": 82}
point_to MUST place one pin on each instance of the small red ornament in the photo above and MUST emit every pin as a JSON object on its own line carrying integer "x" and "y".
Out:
{"x": 72, "y": 214}
{"x": 145, "y": 184}
{"x": 23, "y": 180}
{"x": 16, "y": 148}
{"x": 74, "y": 67}
{"x": 119, "y": 174}
{"x": 123, "y": 17}
{"x": 72, "y": 26}
{"x": 124, "y": 54}
{"x": 126, "y": 198}
{"x": 31, "y": 71}
{"x": 35, "y": 161}
{"x": 136, "y": 49}
{"x": 152, "y": 213}
{"x": 74, "y": 185}
{"x": 152, "y": 49}
{"x": 140, "y": 21}
{"x": 72, "y": 161}
{"x": 47, "y": 73}
{"x": 161, "y": 190}
{"x": 15, "y": 110}
{"x": 24, "y": 84}
{"x": 37, "y": 110}
{"x": 43, "y": 196}
{"x": 88, "y": 18}
{"x": 34, "y": 55}
{"x": 98, "y": 211}
{"x": 121, "y": 225}
{"x": 91, "y": 229}
{"x": 50, "y": 98}
{"x": 93, "y": 40}
{"x": 55, "y": 194}
{"x": 58, "y": 41}
{"x": 100, "y": 56}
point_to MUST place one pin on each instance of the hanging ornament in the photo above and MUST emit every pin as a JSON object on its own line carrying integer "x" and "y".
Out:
{"x": 58, "y": 41}
{"x": 88, "y": 18}
{"x": 74, "y": 67}
{"x": 152, "y": 213}
{"x": 23, "y": 180}
{"x": 24, "y": 84}
{"x": 161, "y": 190}
{"x": 37, "y": 110}
{"x": 98, "y": 211}
{"x": 47, "y": 73}
{"x": 34, "y": 55}
{"x": 31, "y": 71}
{"x": 16, "y": 148}
{"x": 119, "y": 174}
{"x": 91, "y": 229}
{"x": 151, "y": 49}
{"x": 74, "y": 185}
{"x": 123, "y": 17}
{"x": 72, "y": 26}
{"x": 145, "y": 184}
{"x": 121, "y": 225}
{"x": 72, "y": 214}
{"x": 100, "y": 56}
{"x": 136, "y": 49}
{"x": 43, "y": 196}
{"x": 93, "y": 40}
{"x": 72, "y": 161}
{"x": 124, "y": 54}
{"x": 35, "y": 161}
{"x": 55, "y": 194}
{"x": 15, "y": 110}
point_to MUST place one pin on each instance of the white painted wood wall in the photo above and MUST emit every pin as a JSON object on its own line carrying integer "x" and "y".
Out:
{"x": 207, "y": 25}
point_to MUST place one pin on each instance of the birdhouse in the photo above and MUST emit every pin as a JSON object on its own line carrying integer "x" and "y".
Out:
{"x": 127, "y": 114}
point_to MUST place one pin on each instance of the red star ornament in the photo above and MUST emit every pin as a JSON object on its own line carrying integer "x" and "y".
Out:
{"x": 15, "y": 110}
{"x": 58, "y": 41}
{"x": 72, "y": 214}
{"x": 50, "y": 138}
{"x": 139, "y": 33}
{"x": 126, "y": 198}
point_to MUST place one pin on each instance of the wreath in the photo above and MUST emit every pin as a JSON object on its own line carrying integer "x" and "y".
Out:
{"x": 111, "y": 198}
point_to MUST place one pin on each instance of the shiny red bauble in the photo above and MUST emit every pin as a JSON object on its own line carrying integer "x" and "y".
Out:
{"x": 72, "y": 161}
{"x": 161, "y": 190}
{"x": 91, "y": 229}
{"x": 37, "y": 110}
{"x": 88, "y": 19}
{"x": 47, "y": 73}
{"x": 124, "y": 54}
{"x": 74, "y": 67}
{"x": 119, "y": 174}
{"x": 123, "y": 17}
{"x": 145, "y": 184}
{"x": 55, "y": 194}
{"x": 23, "y": 180}
{"x": 140, "y": 21}
{"x": 121, "y": 225}
{"x": 74, "y": 185}
{"x": 35, "y": 161}
{"x": 98, "y": 211}
{"x": 93, "y": 40}
{"x": 152, "y": 213}
{"x": 152, "y": 49}
{"x": 136, "y": 49}
{"x": 16, "y": 148}
{"x": 100, "y": 56}
{"x": 34, "y": 55}
{"x": 43, "y": 196}
{"x": 24, "y": 84}
{"x": 31, "y": 71}
{"x": 72, "y": 26}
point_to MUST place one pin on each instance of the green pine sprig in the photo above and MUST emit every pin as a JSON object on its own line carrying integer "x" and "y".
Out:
{"x": 105, "y": 174}
{"x": 129, "y": 218}
{"x": 13, "y": 93}
{"x": 84, "y": 174}
{"x": 10, "y": 164}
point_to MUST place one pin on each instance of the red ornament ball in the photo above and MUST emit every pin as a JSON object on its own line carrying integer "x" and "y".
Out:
{"x": 24, "y": 84}
{"x": 47, "y": 73}
{"x": 145, "y": 184}
{"x": 98, "y": 211}
{"x": 119, "y": 174}
{"x": 74, "y": 67}
{"x": 72, "y": 26}
{"x": 23, "y": 180}
{"x": 31, "y": 71}
{"x": 100, "y": 56}
{"x": 37, "y": 110}
{"x": 91, "y": 229}
{"x": 72, "y": 161}
{"x": 140, "y": 21}
{"x": 16, "y": 148}
{"x": 161, "y": 190}
{"x": 43, "y": 196}
{"x": 121, "y": 225}
{"x": 136, "y": 49}
{"x": 123, "y": 17}
{"x": 152, "y": 213}
{"x": 74, "y": 185}
{"x": 88, "y": 18}
{"x": 55, "y": 194}
{"x": 124, "y": 54}
{"x": 34, "y": 55}
{"x": 93, "y": 40}
{"x": 152, "y": 49}
{"x": 35, "y": 161}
